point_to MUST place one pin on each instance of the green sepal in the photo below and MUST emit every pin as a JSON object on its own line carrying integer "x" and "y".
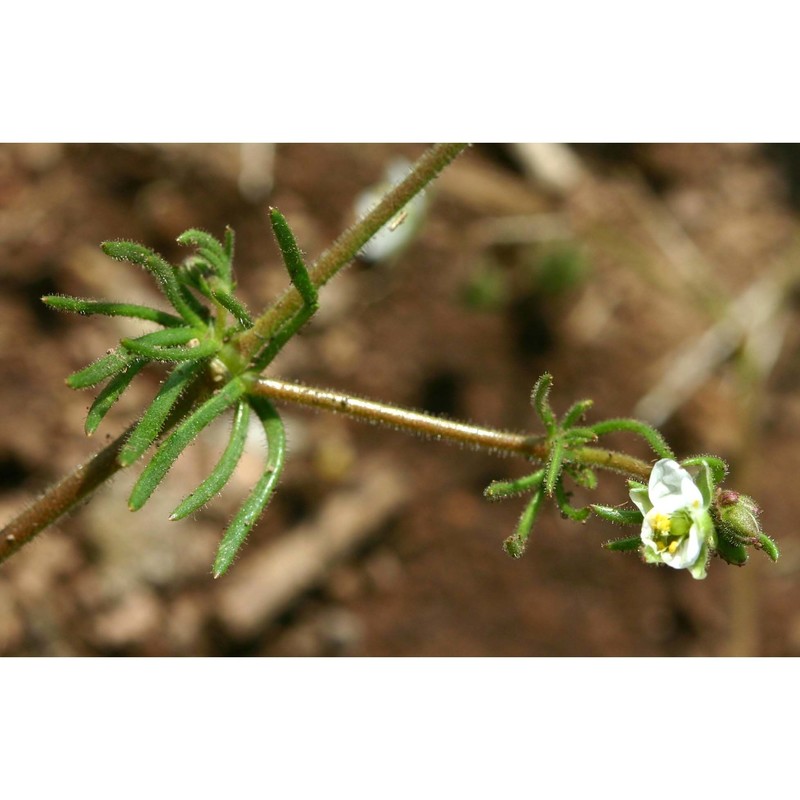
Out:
{"x": 704, "y": 481}
{"x": 568, "y": 511}
{"x": 257, "y": 500}
{"x": 733, "y": 553}
{"x": 205, "y": 349}
{"x": 718, "y": 467}
{"x": 656, "y": 441}
{"x": 554, "y": 466}
{"x": 768, "y": 545}
{"x": 110, "y": 394}
{"x": 105, "y": 367}
{"x": 619, "y": 516}
{"x": 623, "y": 545}
{"x": 499, "y": 490}
{"x": 516, "y": 543}
{"x": 153, "y": 419}
{"x": 293, "y": 258}
{"x": 163, "y": 272}
{"x": 576, "y": 412}
{"x": 77, "y": 305}
{"x": 169, "y": 450}
{"x": 222, "y": 472}
{"x": 541, "y": 403}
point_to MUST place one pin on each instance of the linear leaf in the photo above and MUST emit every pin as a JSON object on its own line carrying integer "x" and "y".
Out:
{"x": 293, "y": 258}
{"x": 204, "y": 349}
{"x": 169, "y": 450}
{"x": 554, "y": 466}
{"x": 153, "y": 419}
{"x": 576, "y": 412}
{"x": 77, "y": 305}
{"x": 516, "y": 543}
{"x": 498, "y": 490}
{"x": 159, "y": 268}
{"x": 110, "y": 364}
{"x": 236, "y": 308}
{"x": 619, "y": 516}
{"x": 110, "y": 394}
{"x": 211, "y": 249}
{"x": 258, "y": 499}
{"x": 624, "y": 545}
{"x": 562, "y": 498}
{"x": 656, "y": 441}
{"x": 541, "y": 403}
{"x": 222, "y": 472}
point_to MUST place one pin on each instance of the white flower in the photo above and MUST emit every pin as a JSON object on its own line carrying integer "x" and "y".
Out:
{"x": 677, "y": 528}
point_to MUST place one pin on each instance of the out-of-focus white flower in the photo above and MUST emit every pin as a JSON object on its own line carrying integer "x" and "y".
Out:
{"x": 677, "y": 530}
{"x": 400, "y": 230}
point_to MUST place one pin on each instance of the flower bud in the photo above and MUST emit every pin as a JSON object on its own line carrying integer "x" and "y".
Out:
{"x": 737, "y": 518}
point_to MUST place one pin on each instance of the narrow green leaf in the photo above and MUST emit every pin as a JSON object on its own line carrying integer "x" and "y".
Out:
{"x": 541, "y": 402}
{"x": 110, "y": 394}
{"x": 718, "y": 467}
{"x": 238, "y": 310}
{"x": 576, "y": 412}
{"x": 575, "y": 437}
{"x": 623, "y": 545}
{"x": 498, "y": 490}
{"x": 619, "y": 516}
{"x": 516, "y": 543}
{"x": 562, "y": 499}
{"x": 768, "y": 546}
{"x": 278, "y": 340}
{"x": 230, "y": 244}
{"x": 166, "y": 337}
{"x": 162, "y": 271}
{"x": 110, "y": 364}
{"x": 258, "y": 499}
{"x": 77, "y": 305}
{"x": 554, "y": 466}
{"x": 153, "y": 419}
{"x": 204, "y": 349}
{"x": 169, "y": 450}
{"x": 293, "y": 258}
{"x": 222, "y": 472}
{"x": 211, "y": 249}
{"x": 647, "y": 432}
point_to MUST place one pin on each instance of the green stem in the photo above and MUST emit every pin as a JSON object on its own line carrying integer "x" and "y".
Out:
{"x": 347, "y": 246}
{"x": 465, "y": 434}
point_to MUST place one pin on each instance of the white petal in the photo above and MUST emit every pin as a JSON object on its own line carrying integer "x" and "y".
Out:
{"x": 671, "y": 487}
{"x": 665, "y": 479}
{"x": 688, "y": 551}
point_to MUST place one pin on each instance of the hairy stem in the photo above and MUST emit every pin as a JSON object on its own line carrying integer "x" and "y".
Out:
{"x": 75, "y": 487}
{"x": 346, "y": 247}
{"x": 426, "y": 425}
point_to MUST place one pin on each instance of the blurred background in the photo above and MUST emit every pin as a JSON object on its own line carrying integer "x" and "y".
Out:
{"x": 661, "y": 280}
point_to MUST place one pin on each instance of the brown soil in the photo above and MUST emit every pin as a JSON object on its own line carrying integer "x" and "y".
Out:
{"x": 656, "y": 239}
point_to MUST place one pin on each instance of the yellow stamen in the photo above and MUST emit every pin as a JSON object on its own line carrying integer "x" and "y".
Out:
{"x": 661, "y": 523}
{"x": 673, "y": 546}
